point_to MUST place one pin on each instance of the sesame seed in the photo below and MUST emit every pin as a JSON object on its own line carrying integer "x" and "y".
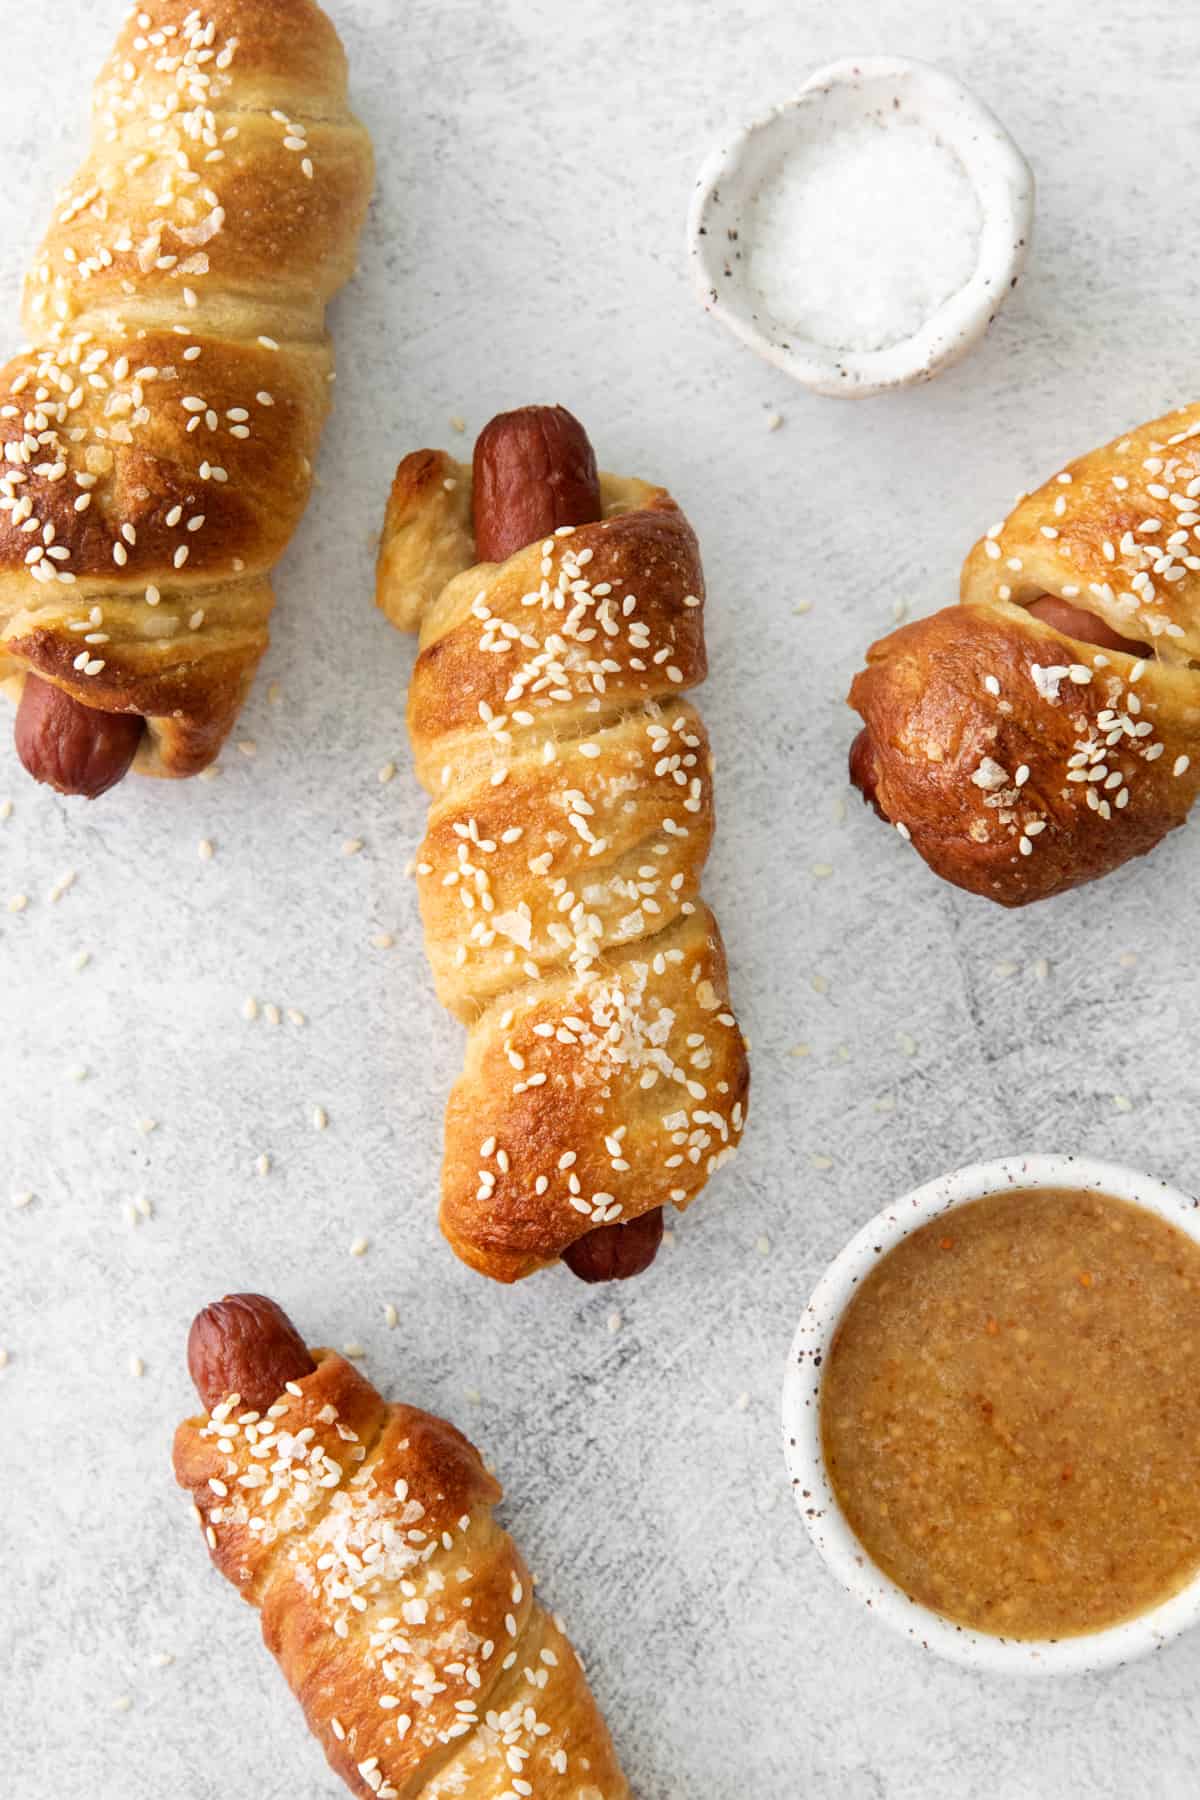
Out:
{"x": 206, "y": 850}
{"x": 359, "y": 1246}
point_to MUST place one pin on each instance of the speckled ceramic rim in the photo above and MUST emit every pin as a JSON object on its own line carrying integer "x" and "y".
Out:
{"x": 801, "y": 1434}
{"x": 996, "y": 168}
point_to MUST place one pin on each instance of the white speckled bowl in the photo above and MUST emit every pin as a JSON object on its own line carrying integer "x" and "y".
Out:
{"x": 819, "y": 1509}
{"x": 881, "y": 87}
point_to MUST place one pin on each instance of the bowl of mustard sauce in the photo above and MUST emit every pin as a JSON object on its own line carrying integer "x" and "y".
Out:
{"x": 991, "y": 1415}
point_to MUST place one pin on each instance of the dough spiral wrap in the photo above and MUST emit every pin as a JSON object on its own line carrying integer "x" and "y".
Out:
{"x": 559, "y": 879}
{"x": 1022, "y": 759}
{"x": 402, "y": 1617}
{"x": 157, "y": 439}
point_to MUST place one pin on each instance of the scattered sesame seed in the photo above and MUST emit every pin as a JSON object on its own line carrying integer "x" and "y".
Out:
{"x": 320, "y": 1118}
{"x": 615, "y": 1321}
{"x": 359, "y": 1246}
{"x": 206, "y": 850}
{"x": 22, "y": 1200}
{"x": 763, "y": 1245}
{"x": 262, "y": 1164}
{"x": 352, "y": 846}
{"x": 1122, "y": 1103}
{"x": 390, "y": 1316}
{"x": 136, "y": 1366}
{"x": 907, "y": 1044}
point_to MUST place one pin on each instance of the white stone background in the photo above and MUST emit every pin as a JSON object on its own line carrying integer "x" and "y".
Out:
{"x": 535, "y": 163}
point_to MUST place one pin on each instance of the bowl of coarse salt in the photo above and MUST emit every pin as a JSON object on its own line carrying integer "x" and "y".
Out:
{"x": 865, "y": 234}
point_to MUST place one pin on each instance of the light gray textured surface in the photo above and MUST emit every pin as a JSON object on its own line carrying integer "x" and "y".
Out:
{"x": 535, "y": 165}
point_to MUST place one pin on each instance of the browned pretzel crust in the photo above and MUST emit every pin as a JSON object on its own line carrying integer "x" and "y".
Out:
{"x": 1021, "y": 761}
{"x": 559, "y": 881}
{"x": 402, "y": 1617}
{"x": 157, "y": 441}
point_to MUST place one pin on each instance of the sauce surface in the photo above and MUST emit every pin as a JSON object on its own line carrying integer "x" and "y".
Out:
{"x": 1010, "y": 1413}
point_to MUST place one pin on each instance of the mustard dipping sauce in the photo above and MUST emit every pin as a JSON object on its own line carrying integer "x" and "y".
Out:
{"x": 1010, "y": 1413}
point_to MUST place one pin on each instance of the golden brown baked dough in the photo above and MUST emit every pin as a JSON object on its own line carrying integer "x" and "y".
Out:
{"x": 1022, "y": 761}
{"x": 158, "y": 437}
{"x": 401, "y": 1615}
{"x": 560, "y": 877}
